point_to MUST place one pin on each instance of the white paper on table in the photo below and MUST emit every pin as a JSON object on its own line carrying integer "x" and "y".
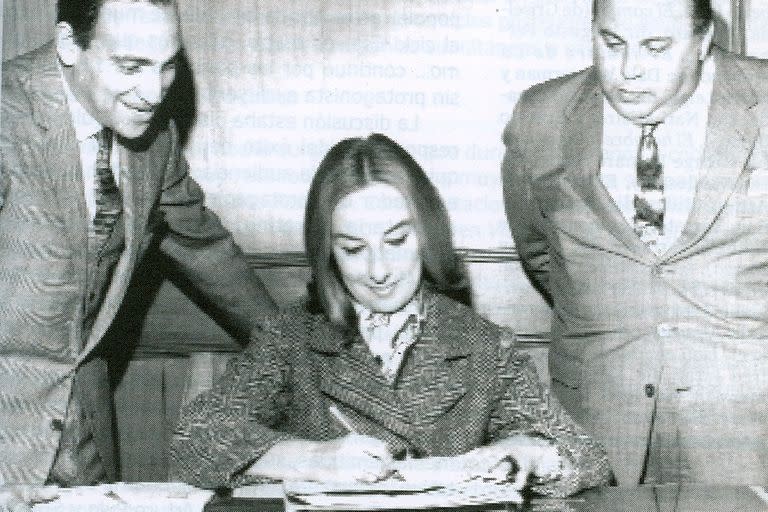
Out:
{"x": 391, "y": 494}
{"x": 129, "y": 497}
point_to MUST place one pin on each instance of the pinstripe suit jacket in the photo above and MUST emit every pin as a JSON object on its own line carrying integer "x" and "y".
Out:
{"x": 43, "y": 250}
{"x": 459, "y": 387}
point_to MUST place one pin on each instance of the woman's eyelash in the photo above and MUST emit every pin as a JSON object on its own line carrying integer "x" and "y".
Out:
{"x": 398, "y": 241}
{"x": 352, "y": 250}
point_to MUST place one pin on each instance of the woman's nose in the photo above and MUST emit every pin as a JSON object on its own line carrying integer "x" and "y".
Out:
{"x": 378, "y": 267}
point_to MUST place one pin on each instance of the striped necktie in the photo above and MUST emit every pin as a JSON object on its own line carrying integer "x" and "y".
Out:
{"x": 109, "y": 203}
{"x": 649, "y": 198}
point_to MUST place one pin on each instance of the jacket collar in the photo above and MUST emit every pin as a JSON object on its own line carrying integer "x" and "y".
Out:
{"x": 444, "y": 327}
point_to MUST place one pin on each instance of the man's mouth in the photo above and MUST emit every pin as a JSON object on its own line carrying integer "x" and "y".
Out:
{"x": 632, "y": 95}
{"x": 140, "y": 112}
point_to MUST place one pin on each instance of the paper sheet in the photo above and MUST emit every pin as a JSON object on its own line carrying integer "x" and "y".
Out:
{"x": 395, "y": 495}
{"x": 129, "y": 497}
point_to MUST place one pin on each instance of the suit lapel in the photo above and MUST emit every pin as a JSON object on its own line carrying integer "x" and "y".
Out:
{"x": 432, "y": 378}
{"x": 731, "y": 133}
{"x": 61, "y": 153}
{"x": 579, "y": 178}
{"x": 350, "y": 376}
{"x": 131, "y": 172}
{"x": 428, "y": 385}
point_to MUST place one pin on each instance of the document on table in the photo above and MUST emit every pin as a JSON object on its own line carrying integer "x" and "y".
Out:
{"x": 393, "y": 495}
{"x": 129, "y": 497}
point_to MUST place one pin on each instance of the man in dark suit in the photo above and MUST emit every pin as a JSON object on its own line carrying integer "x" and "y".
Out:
{"x": 637, "y": 194}
{"x": 89, "y": 175}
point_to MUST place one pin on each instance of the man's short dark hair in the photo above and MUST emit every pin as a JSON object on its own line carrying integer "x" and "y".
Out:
{"x": 702, "y": 14}
{"x": 82, "y": 15}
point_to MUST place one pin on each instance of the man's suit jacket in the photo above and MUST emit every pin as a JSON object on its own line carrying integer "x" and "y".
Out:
{"x": 43, "y": 250}
{"x": 632, "y": 330}
{"x": 461, "y": 385}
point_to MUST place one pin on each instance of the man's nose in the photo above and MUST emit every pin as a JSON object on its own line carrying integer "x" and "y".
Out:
{"x": 150, "y": 88}
{"x": 632, "y": 67}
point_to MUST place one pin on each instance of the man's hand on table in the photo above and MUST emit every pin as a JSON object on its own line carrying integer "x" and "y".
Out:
{"x": 20, "y": 498}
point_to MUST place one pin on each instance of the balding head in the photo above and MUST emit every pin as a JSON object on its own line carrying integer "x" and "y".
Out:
{"x": 649, "y": 54}
{"x": 701, "y": 13}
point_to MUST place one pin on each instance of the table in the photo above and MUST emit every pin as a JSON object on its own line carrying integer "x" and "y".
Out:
{"x": 660, "y": 498}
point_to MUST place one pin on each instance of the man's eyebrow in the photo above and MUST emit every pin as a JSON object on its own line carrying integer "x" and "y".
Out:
{"x": 607, "y": 33}
{"x": 123, "y": 59}
{"x": 142, "y": 61}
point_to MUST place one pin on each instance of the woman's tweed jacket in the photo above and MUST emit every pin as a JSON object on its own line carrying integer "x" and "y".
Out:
{"x": 460, "y": 386}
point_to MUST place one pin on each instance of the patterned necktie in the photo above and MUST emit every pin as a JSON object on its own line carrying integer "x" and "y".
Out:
{"x": 109, "y": 204}
{"x": 649, "y": 198}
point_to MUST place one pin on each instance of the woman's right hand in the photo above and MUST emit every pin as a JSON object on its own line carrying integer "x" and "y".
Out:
{"x": 351, "y": 458}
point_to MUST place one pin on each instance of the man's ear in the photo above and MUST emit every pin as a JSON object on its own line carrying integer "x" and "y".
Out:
{"x": 706, "y": 41}
{"x": 66, "y": 46}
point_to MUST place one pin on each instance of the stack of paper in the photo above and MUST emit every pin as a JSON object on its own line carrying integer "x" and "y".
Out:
{"x": 394, "y": 495}
{"x": 125, "y": 497}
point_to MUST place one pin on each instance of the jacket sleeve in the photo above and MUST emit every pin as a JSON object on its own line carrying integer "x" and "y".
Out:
{"x": 525, "y": 220}
{"x": 527, "y": 407}
{"x": 206, "y": 254}
{"x": 226, "y": 429}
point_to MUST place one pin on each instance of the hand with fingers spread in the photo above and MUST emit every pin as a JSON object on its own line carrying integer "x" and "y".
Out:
{"x": 521, "y": 456}
{"x": 515, "y": 459}
{"x": 20, "y": 498}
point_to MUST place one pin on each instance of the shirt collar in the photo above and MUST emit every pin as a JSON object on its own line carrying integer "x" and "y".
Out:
{"x": 84, "y": 123}
{"x": 413, "y": 307}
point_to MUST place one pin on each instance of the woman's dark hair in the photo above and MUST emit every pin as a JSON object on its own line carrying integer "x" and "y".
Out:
{"x": 349, "y": 166}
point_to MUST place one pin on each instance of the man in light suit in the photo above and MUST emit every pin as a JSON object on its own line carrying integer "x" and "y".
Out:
{"x": 79, "y": 205}
{"x": 658, "y": 280}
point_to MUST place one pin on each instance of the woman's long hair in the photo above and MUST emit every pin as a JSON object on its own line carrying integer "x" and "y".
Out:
{"x": 349, "y": 166}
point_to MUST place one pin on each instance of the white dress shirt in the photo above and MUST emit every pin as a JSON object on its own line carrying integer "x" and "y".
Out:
{"x": 86, "y": 129}
{"x": 680, "y": 140}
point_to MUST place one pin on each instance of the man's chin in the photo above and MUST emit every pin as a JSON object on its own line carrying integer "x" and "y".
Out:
{"x": 132, "y": 130}
{"x": 633, "y": 111}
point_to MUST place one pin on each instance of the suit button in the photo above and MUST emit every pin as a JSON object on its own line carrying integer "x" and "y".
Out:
{"x": 664, "y": 329}
{"x": 57, "y": 424}
{"x": 650, "y": 390}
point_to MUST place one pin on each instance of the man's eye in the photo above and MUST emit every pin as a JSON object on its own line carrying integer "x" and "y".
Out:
{"x": 130, "y": 68}
{"x": 398, "y": 240}
{"x": 613, "y": 44}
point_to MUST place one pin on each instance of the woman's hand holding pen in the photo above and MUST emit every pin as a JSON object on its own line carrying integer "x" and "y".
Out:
{"x": 352, "y": 458}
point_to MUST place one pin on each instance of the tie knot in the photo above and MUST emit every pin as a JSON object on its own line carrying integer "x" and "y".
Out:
{"x": 104, "y": 138}
{"x": 648, "y": 129}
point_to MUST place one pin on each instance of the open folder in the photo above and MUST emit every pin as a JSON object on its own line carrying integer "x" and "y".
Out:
{"x": 396, "y": 495}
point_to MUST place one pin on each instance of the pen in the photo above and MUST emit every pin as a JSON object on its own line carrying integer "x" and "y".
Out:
{"x": 343, "y": 421}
